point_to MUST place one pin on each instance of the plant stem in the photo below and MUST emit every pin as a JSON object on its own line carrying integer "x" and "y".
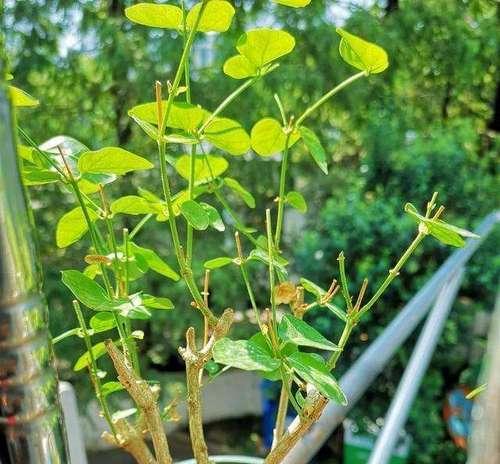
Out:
{"x": 227, "y": 101}
{"x": 279, "y": 429}
{"x": 140, "y": 225}
{"x": 346, "y": 333}
{"x": 271, "y": 266}
{"x": 145, "y": 400}
{"x": 281, "y": 195}
{"x": 327, "y": 96}
{"x": 393, "y": 273}
{"x": 93, "y": 368}
{"x": 180, "y": 70}
{"x": 238, "y": 224}
{"x": 189, "y": 229}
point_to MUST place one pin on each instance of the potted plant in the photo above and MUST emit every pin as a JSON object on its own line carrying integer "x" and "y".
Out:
{"x": 108, "y": 289}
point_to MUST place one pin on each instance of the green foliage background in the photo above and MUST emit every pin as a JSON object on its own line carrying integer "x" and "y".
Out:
{"x": 428, "y": 123}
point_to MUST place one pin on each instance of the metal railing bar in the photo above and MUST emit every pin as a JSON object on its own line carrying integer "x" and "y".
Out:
{"x": 364, "y": 370}
{"x": 409, "y": 385}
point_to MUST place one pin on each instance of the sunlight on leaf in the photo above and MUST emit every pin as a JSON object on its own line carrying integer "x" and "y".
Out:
{"x": 152, "y": 15}
{"x": 361, "y": 54}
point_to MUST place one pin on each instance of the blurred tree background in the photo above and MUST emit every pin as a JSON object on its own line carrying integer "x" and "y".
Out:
{"x": 430, "y": 122}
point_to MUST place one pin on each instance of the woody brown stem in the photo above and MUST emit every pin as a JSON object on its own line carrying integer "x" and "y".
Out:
{"x": 146, "y": 402}
{"x": 195, "y": 362}
{"x": 291, "y": 437}
{"x": 130, "y": 439}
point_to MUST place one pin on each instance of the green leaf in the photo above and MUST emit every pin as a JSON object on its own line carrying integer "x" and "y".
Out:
{"x": 184, "y": 116}
{"x": 261, "y": 255}
{"x": 243, "y": 354}
{"x": 228, "y": 135}
{"x": 262, "y": 46}
{"x": 293, "y": 3}
{"x": 218, "y": 262}
{"x": 444, "y": 234}
{"x": 268, "y": 137}
{"x": 195, "y": 214}
{"x": 297, "y": 201}
{"x": 133, "y": 205}
{"x": 20, "y": 98}
{"x": 156, "y": 302}
{"x": 217, "y": 16}
{"x": 85, "y": 290}
{"x": 298, "y": 332}
{"x": 312, "y": 288}
{"x": 241, "y": 191}
{"x": 336, "y": 311}
{"x": 315, "y": 372}
{"x": 206, "y": 167}
{"x": 111, "y": 387}
{"x": 361, "y": 54}
{"x": 102, "y": 322}
{"x": 33, "y": 175}
{"x": 83, "y": 361}
{"x": 239, "y": 67}
{"x": 154, "y": 261}
{"x": 111, "y": 160}
{"x": 314, "y": 147}
{"x": 214, "y": 217}
{"x": 73, "y": 226}
{"x": 152, "y": 15}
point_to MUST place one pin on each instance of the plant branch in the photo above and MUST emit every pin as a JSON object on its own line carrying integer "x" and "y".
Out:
{"x": 195, "y": 362}
{"x": 146, "y": 402}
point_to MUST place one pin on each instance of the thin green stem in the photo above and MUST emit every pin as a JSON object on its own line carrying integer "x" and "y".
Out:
{"x": 327, "y": 96}
{"x": 238, "y": 224}
{"x": 393, "y": 273}
{"x": 270, "y": 248}
{"x": 227, "y": 101}
{"x": 349, "y": 325}
{"x": 281, "y": 195}
{"x": 189, "y": 229}
{"x": 180, "y": 70}
{"x": 140, "y": 225}
{"x": 93, "y": 368}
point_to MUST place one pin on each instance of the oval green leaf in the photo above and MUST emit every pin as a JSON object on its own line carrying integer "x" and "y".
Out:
{"x": 73, "y": 226}
{"x": 239, "y": 67}
{"x": 217, "y": 16}
{"x": 243, "y": 354}
{"x": 262, "y": 46}
{"x": 152, "y": 15}
{"x": 297, "y": 201}
{"x": 218, "y": 262}
{"x": 268, "y": 137}
{"x": 85, "y": 290}
{"x": 361, "y": 54}
{"x": 207, "y": 167}
{"x": 298, "y": 332}
{"x": 315, "y": 372}
{"x": 195, "y": 215}
{"x": 111, "y": 160}
{"x": 314, "y": 147}
{"x": 241, "y": 191}
{"x": 228, "y": 135}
